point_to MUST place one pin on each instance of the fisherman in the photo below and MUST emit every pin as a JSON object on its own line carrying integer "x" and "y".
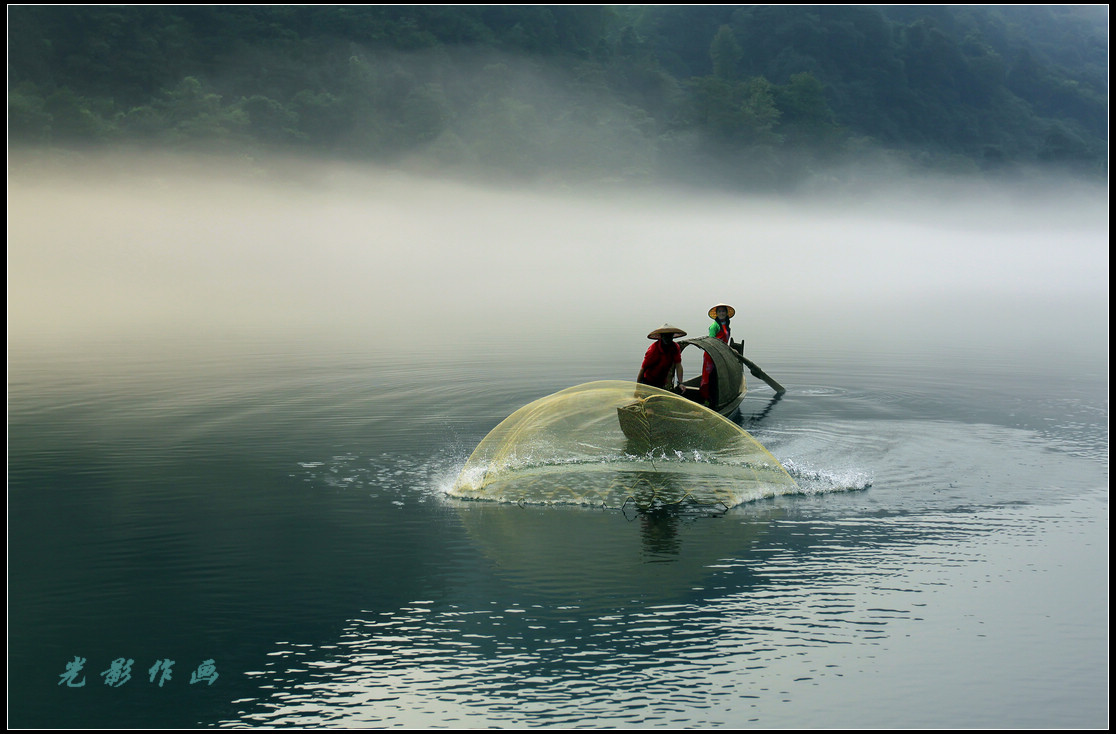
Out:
{"x": 662, "y": 364}
{"x": 719, "y": 329}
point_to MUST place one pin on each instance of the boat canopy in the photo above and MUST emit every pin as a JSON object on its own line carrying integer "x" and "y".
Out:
{"x": 729, "y": 373}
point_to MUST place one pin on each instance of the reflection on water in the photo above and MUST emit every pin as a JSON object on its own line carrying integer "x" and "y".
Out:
{"x": 597, "y": 558}
{"x": 754, "y": 419}
{"x": 659, "y": 531}
{"x": 799, "y": 614}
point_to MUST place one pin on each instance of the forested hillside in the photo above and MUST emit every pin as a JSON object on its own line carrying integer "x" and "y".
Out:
{"x": 760, "y": 95}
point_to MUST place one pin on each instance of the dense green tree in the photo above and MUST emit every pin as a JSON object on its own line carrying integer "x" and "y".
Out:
{"x": 726, "y": 54}
{"x": 755, "y": 92}
{"x": 73, "y": 117}
{"x": 741, "y": 111}
{"x": 28, "y": 118}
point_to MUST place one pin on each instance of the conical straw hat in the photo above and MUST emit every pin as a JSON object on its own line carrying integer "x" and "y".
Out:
{"x": 666, "y": 329}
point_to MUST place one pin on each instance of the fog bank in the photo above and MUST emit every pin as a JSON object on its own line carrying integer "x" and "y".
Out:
{"x": 359, "y": 256}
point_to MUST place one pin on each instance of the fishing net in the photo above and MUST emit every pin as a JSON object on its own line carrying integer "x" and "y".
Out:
{"x": 612, "y": 443}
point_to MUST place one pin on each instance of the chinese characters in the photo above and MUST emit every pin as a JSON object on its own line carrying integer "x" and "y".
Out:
{"x": 119, "y": 672}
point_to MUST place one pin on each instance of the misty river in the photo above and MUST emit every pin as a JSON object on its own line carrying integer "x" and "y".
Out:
{"x": 237, "y": 398}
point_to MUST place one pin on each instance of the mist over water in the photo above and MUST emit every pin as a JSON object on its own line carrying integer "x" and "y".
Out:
{"x": 127, "y": 248}
{"x": 238, "y": 394}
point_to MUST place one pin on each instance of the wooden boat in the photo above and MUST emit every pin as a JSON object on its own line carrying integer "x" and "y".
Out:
{"x": 728, "y": 385}
{"x": 661, "y": 417}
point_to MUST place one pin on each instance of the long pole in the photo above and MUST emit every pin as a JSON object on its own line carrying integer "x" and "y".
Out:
{"x": 757, "y": 372}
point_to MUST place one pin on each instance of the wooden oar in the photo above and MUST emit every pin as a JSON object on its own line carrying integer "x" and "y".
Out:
{"x": 757, "y": 372}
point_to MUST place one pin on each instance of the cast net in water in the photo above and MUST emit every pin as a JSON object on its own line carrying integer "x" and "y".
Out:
{"x": 612, "y": 443}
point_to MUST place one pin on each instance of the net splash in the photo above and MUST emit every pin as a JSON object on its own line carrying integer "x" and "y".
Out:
{"x": 613, "y": 443}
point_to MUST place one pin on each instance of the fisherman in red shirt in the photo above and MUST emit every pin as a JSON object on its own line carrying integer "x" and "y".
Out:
{"x": 663, "y": 360}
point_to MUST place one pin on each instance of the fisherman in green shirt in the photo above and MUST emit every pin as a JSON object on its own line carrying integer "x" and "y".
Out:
{"x": 719, "y": 329}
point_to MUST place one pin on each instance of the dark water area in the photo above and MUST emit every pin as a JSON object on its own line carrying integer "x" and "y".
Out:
{"x": 235, "y": 410}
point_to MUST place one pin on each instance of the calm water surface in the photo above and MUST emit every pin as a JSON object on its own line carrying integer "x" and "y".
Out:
{"x": 284, "y": 516}
{"x": 273, "y": 510}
